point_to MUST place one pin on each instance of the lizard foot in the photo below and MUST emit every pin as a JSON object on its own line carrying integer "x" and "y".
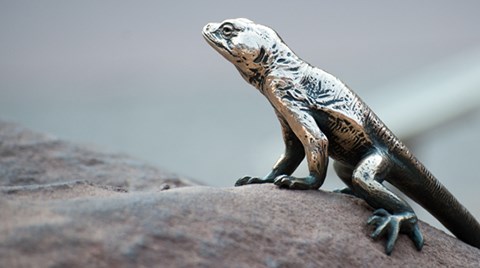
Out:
{"x": 251, "y": 180}
{"x": 345, "y": 190}
{"x": 290, "y": 182}
{"x": 392, "y": 224}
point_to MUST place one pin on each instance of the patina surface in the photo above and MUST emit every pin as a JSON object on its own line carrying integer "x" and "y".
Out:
{"x": 321, "y": 118}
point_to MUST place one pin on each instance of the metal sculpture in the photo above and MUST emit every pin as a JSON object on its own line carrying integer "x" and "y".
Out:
{"x": 321, "y": 118}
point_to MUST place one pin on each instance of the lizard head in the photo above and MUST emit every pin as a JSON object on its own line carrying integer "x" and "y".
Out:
{"x": 251, "y": 47}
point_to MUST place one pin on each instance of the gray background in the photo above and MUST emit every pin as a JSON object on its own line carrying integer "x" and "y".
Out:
{"x": 137, "y": 77}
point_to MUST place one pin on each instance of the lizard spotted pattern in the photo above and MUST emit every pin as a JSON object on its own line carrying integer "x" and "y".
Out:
{"x": 321, "y": 118}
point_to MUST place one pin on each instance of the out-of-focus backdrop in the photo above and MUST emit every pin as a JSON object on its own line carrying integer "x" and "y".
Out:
{"x": 137, "y": 77}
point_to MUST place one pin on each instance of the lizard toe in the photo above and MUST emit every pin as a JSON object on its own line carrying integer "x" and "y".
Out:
{"x": 417, "y": 237}
{"x": 242, "y": 181}
{"x": 294, "y": 183}
{"x": 248, "y": 180}
{"x": 283, "y": 181}
{"x": 381, "y": 228}
{"x": 390, "y": 225}
{"x": 345, "y": 190}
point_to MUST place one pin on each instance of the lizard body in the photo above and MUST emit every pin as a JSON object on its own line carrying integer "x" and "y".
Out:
{"x": 321, "y": 118}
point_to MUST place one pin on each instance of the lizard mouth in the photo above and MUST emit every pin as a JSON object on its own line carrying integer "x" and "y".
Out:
{"x": 212, "y": 41}
{"x": 207, "y": 34}
{"x": 208, "y": 38}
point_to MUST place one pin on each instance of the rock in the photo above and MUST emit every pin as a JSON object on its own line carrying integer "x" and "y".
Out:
{"x": 30, "y": 158}
{"x": 67, "y": 215}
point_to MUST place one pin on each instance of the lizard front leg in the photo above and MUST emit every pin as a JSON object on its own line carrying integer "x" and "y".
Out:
{"x": 315, "y": 145}
{"x": 393, "y": 214}
{"x": 288, "y": 161}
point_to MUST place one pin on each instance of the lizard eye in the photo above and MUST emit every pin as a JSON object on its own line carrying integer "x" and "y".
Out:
{"x": 227, "y": 30}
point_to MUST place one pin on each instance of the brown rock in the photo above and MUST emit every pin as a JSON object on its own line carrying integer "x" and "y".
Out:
{"x": 102, "y": 221}
{"x": 30, "y": 158}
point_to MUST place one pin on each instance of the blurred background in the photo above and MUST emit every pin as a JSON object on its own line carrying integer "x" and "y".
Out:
{"x": 136, "y": 77}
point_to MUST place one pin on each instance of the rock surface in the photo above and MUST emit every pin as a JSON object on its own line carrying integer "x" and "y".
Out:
{"x": 30, "y": 158}
{"x": 66, "y": 206}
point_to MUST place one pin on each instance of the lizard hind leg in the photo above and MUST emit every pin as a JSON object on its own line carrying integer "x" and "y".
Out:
{"x": 344, "y": 172}
{"x": 393, "y": 214}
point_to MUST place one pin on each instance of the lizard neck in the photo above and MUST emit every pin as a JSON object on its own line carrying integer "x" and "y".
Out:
{"x": 284, "y": 59}
{"x": 278, "y": 60}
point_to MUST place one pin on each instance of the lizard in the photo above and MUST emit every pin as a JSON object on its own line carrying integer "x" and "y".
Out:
{"x": 322, "y": 118}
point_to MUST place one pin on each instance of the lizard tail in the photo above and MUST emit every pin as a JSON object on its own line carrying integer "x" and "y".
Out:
{"x": 427, "y": 191}
{"x": 453, "y": 215}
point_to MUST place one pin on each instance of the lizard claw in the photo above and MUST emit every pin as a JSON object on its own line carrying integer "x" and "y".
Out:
{"x": 392, "y": 224}
{"x": 250, "y": 180}
{"x": 291, "y": 182}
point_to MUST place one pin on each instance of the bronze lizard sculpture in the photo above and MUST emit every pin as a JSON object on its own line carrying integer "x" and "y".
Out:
{"x": 321, "y": 117}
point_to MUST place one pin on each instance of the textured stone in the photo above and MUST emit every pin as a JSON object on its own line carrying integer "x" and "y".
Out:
{"x": 70, "y": 214}
{"x": 30, "y": 158}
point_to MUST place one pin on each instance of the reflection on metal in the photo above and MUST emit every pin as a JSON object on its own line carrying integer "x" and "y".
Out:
{"x": 321, "y": 118}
